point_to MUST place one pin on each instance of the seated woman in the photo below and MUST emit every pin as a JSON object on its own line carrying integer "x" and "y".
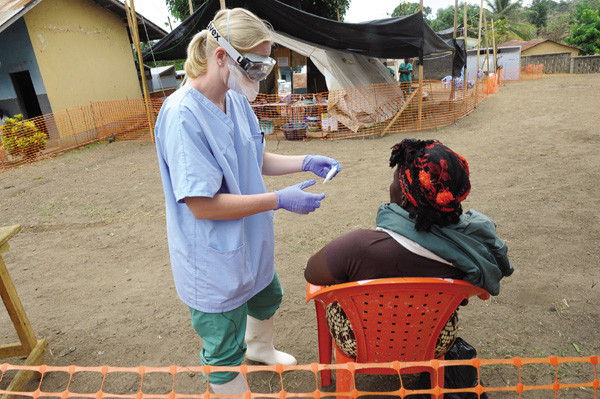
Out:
{"x": 422, "y": 232}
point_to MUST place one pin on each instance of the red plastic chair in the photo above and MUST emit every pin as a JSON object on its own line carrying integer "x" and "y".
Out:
{"x": 394, "y": 319}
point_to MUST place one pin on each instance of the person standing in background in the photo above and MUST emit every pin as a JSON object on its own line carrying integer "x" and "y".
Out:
{"x": 405, "y": 71}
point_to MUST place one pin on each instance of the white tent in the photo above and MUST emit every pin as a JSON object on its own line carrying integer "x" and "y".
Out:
{"x": 349, "y": 78}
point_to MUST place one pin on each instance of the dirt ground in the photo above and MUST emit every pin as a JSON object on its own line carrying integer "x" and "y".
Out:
{"x": 92, "y": 270}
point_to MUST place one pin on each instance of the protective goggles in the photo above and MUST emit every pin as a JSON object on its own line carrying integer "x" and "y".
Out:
{"x": 255, "y": 67}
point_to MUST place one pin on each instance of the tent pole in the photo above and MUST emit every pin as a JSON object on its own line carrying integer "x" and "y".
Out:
{"x": 191, "y": 7}
{"x": 222, "y": 4}
{"x": 132, "y": 21}
{"x": 420, "y": 89}
{"x": 478, "y": 49}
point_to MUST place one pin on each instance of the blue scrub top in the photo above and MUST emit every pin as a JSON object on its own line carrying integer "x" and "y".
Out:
{"x": 218, "y": 265}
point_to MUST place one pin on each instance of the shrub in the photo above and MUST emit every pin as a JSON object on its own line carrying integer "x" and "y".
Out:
{"x": 21, "y": 137}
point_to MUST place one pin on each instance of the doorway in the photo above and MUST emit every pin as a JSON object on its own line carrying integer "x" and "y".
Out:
{"x": 26, "y": 96}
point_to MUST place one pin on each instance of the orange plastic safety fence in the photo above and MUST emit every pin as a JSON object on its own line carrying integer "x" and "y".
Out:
{"x": 357, "y": 112}
{"x": 134, "y": 382}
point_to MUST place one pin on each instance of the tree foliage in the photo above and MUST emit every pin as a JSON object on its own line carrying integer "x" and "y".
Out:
{"x": 538, "y": 14}
{"x": 445, "y": 16}
{"x": 406, "y": 8}
{"x": 585, "y": 33}
{"x": 180, "y": 9}
{"x": 503, "y": 9}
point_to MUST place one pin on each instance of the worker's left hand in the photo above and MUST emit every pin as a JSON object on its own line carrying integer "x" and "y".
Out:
{"x": 320, "y": 165}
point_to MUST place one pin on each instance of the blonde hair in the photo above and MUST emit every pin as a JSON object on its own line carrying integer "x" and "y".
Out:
{"x": 244, "y": 32}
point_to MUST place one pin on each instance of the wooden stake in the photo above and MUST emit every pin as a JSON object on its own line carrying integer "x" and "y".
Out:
{"x": 495, "y": 54}
{"x": 465, "y": 31}
{"x": 487, "y": 46}
{"x": 398, "y": 113}
{"x": 455, "y": 16}
{"x": 420, "y": 89}
{"x": 465, "y": 34}
{"x": 478, "y": 50}
{"x": 28, "y": 345}
{"x": 133, "y": 26}
{"x": 452, "y": 89}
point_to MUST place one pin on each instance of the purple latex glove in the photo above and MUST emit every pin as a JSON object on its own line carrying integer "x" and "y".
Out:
{"x": 294, "y": 199}
{"x": 320, "y": 165}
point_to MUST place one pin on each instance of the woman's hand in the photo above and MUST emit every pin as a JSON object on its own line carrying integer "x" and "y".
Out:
{"x": 295, "y": 199}
{"x": 320, "y": 165}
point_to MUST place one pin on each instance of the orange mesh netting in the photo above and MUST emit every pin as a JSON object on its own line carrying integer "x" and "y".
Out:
{"x": 170, "y": 382}
{"x": 358, "y": 112}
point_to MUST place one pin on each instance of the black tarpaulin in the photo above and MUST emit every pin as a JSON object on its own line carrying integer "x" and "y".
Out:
{"x": 402, "y": 37}
{"x": 460, "y": 55}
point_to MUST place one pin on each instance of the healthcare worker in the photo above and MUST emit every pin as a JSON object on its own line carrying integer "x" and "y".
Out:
{"x": 219, "y": 211}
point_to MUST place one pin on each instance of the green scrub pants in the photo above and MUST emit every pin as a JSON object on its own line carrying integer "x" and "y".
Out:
{"x": 223, "y": 333}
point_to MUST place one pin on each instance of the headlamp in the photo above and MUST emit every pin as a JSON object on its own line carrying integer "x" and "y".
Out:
{"x": 255, "y": 67}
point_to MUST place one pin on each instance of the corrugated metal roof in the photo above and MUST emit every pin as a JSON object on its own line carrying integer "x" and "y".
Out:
{"x": 12, "y": 10}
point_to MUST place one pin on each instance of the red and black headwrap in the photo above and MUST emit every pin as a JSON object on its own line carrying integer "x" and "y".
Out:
{"x": 433, "y": 178}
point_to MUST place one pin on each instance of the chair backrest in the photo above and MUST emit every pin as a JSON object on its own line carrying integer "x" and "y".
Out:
{"x": 397, "y": 318}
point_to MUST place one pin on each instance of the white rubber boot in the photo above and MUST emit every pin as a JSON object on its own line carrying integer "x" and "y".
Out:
{"x": 259, "y": 339}
{"x": 237, "y": 386}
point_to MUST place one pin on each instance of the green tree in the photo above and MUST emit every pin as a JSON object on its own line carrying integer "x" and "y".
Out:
{"x": 557, "y": 28}
{"x": 558, "y": 19}
{"x": 585, "y": 33}
{"x": 509, "y": 14}
{"x": 538, "y": 14}
{"x": 406, "y": 8}
{"x": 445, "y": 16}
{"x": 502, "y": 9}
{"x": 180, "y": 9}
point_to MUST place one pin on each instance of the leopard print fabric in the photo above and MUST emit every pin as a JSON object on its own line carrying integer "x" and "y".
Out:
{"x": 343, "y": 335}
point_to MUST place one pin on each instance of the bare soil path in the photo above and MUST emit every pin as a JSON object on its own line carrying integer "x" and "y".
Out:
{"x": 92, "y": 270}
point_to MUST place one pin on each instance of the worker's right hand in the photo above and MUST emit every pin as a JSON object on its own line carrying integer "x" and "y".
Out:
{"x": 294, "y": 199}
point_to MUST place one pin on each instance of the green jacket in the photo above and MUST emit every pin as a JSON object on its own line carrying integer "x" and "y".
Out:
{"x": 471, "y": 245}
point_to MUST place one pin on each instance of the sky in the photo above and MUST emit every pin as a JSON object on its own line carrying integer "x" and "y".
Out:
{"x": 359, "y": 11}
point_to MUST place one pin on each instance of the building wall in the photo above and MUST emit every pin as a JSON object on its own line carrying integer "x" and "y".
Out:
{"x": 16, "y": 55}
{"x": 553, "y": 63}
{"x": 83, "y": 53}
{"x": 550, "y": 48}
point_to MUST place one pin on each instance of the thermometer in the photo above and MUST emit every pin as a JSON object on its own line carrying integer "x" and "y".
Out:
{"x": 332, "y": 173}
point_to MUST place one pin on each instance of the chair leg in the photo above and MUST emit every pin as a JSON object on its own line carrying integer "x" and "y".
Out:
{"x": 324, "y": 340}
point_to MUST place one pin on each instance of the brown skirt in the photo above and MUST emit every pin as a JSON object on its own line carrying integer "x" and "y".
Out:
{"x": 343, "y": 335}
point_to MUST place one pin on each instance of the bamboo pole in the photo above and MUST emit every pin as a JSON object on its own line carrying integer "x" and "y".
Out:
{"x": 487, "y": 46}
{"x": 478, "y": 50}
{"x": 400, "y": 111}
{"x": 420, "y": 89}
{"x": 452, "y": 89}
{"x": 465, "y": 82}
{"x": 465, "y": 32}
{"x": 495, "y": 53}
{"x": 132, "y": 21}
{"x": 455, "y": 16}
